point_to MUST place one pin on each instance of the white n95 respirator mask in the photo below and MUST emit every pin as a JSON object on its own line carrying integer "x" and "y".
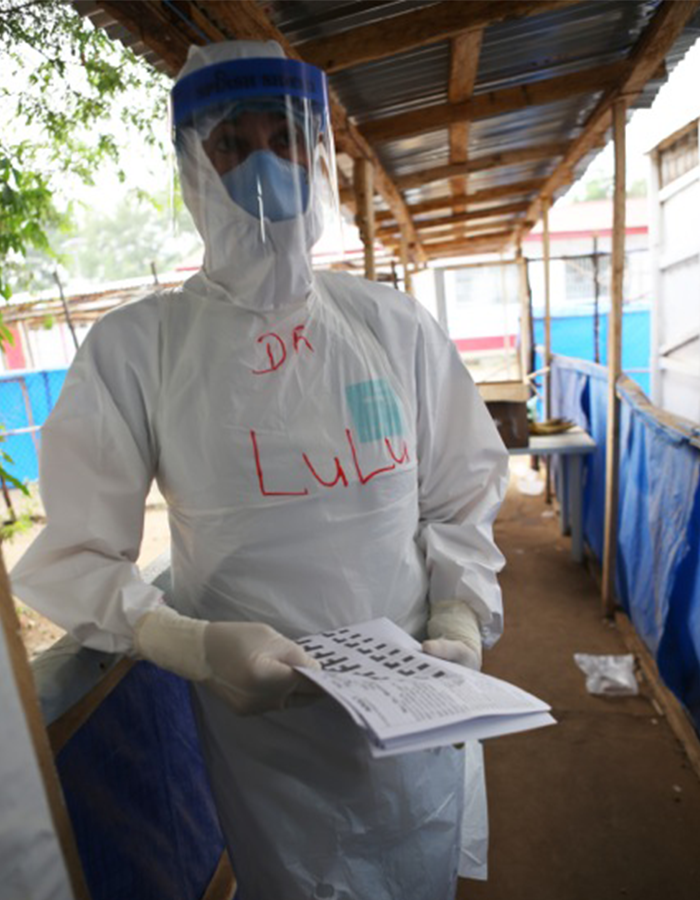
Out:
{"x": 267, "y": 186}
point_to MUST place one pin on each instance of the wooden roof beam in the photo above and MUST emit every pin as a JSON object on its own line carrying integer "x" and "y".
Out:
{"x": 640, "y": 66}
{"x": 485, "y": 243}
{"x": 494, "y": 103}
{"x": 493, "y": 212}
{"x": 411, "y": 30}
{"x": 481, "y": 164}
{"x": 484, "y": 196}
{"x": 464, "y": 64}
{"x": 469, "y": 234}
{"x": 146, "y": 20}
{"x": 456, "y": 232}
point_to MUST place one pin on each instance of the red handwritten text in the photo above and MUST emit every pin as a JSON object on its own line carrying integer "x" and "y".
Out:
{"x": 276, "y": 348}
{"x": 301, "y": 490}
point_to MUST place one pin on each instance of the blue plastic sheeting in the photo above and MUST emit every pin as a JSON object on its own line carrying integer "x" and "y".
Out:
{"x": 658, "y": 552}
{"x": 26, "y": 399}
{"x": 138, "y": 796}
{"x": 579, "y": 393}
{"x": 573, "y": 336}
{"x": 658, "y": 573}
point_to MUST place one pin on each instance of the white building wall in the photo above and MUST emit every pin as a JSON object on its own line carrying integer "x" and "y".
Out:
{"x": 675, "y": 347}
{"x": 424, "y": 290}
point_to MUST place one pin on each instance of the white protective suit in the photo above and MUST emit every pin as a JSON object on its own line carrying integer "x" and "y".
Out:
{"x": 326, "y": 460}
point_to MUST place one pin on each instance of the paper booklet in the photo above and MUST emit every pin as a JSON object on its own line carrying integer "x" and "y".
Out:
{"x": 405, "y": 700}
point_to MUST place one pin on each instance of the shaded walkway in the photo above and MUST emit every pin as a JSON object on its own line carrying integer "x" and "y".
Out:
{"x": 604, "y": 804}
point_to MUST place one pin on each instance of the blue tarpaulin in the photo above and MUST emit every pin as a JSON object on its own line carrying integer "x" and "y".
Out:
{"x": 658, "y": 552}
{"x": 137, "y": 793}
{"x": 26, "y": 399}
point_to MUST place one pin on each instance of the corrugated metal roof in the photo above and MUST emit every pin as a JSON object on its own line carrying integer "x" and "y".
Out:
{"x": 518, "y": 53}
{"x": 401, "y": 83}
{"x": 514, "y": 53}
{"x": 552, "y": 122}
{"x": 416, "y": 153}
{"x": 479, "y": 181}
{"x": 305, "y": 20}
{"x": 559, "y": 43}
{"x": 101, "y": 19}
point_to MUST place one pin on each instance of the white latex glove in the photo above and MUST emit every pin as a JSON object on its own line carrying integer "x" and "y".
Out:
{"x": 248, "y": 664}
{"x": 454, "y": 634}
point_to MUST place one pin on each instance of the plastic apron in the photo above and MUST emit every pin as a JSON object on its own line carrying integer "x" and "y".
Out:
{"x": 285, "y": 446}
{"x": 312, "y": 455}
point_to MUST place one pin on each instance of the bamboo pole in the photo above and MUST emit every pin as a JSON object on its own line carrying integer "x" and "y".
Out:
{"x": 403, "y": 247}
{"x": 596, "y": 300}
{"x": 657, "y": 278}
{"x": 547, "y": 305}
{"x": 547, "y": 336}
{"x": 66, "y": 311}
{"x": 23, "y": 332}
{"x": 364, "y": 190}
{"x": 612, "y": 460}
{"x": 525, "y": 317}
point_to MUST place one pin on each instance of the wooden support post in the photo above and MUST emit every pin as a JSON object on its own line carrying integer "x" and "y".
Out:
{"x": 525, "y": 315}
{"x": 10, "y": 634}
{"x": 596, "y": 300}
{"x": 657, "y": 279}
{"x": 403, "y": 246}
{"x": 547, "y": 305}
{"x": 612, "y": 460}
{"x": 365, "y": 211}
{"x": 547, "y": 336}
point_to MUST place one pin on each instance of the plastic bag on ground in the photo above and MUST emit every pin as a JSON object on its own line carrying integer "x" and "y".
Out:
{"x": 612, "y": 676}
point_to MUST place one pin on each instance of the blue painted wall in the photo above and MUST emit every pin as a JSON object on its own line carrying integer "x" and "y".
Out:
{"x": 573, "y": 336}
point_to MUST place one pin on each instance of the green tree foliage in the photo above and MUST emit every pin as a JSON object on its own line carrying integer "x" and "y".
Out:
{"x": 63, "y": 84}
{"x": 124, "y": 241}
{"x": 115, "y": 241}
{"x": 600, "y": 185}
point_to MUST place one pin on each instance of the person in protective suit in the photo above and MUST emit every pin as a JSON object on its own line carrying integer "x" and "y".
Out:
{"x": 325, "y": 459}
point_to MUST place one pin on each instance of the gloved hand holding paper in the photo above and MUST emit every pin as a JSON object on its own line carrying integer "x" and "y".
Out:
{"x": 250, "y": 665}
{"x": 407, "y": 700}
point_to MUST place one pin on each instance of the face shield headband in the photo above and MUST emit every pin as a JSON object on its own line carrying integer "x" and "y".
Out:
{"x": 229, "y": 83}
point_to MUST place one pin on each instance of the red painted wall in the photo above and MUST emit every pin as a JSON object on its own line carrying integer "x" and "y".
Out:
{"x": 14, "y": 353}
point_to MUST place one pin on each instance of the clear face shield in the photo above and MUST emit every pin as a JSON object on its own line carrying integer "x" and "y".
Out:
{"x": 256, "y": 132}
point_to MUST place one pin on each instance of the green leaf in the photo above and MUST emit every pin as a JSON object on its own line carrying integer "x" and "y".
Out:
{"x": 6, "y": 336}
{"x": 81, "y": 80}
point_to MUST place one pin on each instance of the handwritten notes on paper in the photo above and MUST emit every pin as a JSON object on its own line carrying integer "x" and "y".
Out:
{"x": 406, "y": 700}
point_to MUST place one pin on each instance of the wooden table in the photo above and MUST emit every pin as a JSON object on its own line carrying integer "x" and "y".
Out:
{"x": 570, "y": 446}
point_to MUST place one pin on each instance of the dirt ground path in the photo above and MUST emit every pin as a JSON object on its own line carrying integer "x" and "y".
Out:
{"x": 604, "y": 805}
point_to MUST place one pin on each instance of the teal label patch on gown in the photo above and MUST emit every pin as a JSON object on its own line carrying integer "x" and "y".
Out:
{"x": 375, "y": 410}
